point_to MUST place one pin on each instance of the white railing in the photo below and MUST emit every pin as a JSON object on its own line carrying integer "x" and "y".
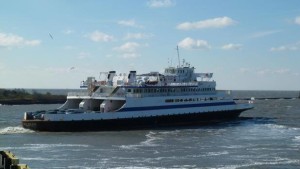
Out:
{"x": 100, "y": 94}
{"x": 184, "y": 84}
{"x": 167, "y": 94}
{"x": 78, "y": 94}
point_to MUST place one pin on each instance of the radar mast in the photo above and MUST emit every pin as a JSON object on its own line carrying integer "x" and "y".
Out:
{"x": 178, "y": 56}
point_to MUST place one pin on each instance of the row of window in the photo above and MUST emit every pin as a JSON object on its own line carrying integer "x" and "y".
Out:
{"x": 190, "y": 99}
{"x": 164, "y": 90}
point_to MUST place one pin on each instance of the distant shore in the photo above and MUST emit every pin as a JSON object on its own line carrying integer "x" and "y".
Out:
{"x": 21, "y": 97}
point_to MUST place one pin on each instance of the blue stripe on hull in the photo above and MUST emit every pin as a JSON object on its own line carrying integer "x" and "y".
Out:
{"x": 175, "y": 106}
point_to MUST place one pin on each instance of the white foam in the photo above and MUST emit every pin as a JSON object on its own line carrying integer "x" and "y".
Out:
{"x": 277, "y": 126}
{"x": 14, "y": 130}
{"x": 134, "y": 167}
{"x": 83, "y": 167}
{"x": 217, "y": 153}
{"x": 43, "y": 146}
{"x": 151, "y": 138}
{"x": 276, "y": 161}
{"x": 41, "y": 159}
{"x": 297, "y": 138}
{"x": 171, "y": 132}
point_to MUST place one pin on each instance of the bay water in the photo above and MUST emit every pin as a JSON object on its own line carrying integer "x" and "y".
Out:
{"x": 267, "y": 136}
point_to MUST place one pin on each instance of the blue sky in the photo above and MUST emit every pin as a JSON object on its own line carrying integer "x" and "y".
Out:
{"x": 248, "y": 45}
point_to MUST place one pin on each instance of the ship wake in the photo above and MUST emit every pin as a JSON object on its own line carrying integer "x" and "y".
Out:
{"x": 14, "y": 130}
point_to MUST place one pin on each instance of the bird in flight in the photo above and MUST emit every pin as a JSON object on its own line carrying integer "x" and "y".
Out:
{"x": 50, "y": 36}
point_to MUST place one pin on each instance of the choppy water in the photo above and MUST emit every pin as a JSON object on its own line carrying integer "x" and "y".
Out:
{"x": 265, "y": 137}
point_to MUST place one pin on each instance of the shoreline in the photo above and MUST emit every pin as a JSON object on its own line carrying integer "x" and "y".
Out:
{"x": 31, "y": 101}
{"x": 22, "y": 97}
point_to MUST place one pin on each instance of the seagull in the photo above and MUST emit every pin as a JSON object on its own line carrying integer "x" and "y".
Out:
{"x": 50, "y": 36}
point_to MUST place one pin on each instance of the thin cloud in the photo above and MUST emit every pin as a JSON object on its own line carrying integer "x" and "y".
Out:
{"x": 129, "y": 50}
{"x": 98, "y": 36}
{"x": 189, "y": 43}
{"x": 130, "y": 55}
{"x": 289, "y": 47}
{"x": 232, "y": 46}
{"x": 129, "y": 23}
{"x": 83, "y": 55}
{"x": 276, "y": 72}
{"x": 263, "y": 71}
{"x": 297, "y": 20}
{"x": 264, "y": 33}
{"x": 58, "y": 70}
{"x": 128, "y": 47}
{"x": 11, "y": 40}
{"x": 68, "y": 31}
{"x": 160, "y": 3}
{"x": 137, "y": 36}
{"x": 209, "y": 23}
{"x": 244, "y": 70}
{"x": 282, "y": 71}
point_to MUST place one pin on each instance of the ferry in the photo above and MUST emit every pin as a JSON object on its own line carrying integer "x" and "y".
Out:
{"x": 115, "y": 102}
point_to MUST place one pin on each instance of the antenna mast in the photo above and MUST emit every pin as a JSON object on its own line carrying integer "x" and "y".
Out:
{"x": 178, "y": 56}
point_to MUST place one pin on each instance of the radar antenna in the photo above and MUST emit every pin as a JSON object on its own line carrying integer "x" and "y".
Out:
{"x": 178, "y": 55}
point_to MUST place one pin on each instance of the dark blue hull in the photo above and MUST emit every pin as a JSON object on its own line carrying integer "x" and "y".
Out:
{"x": 154, "y": 122}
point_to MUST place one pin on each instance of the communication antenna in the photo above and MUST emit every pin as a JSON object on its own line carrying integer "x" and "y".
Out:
{"x": 178, "y": 55}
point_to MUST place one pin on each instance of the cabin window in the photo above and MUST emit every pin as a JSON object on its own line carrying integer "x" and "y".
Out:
{"x": 128, "y": 90}
{"x": 169, "y": 100}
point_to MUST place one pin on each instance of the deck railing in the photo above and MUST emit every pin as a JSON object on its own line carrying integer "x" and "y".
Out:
{"x": 78, "y": 94}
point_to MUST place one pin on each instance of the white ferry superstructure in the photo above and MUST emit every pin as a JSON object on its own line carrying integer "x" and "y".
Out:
{"x": 177, "y": 97}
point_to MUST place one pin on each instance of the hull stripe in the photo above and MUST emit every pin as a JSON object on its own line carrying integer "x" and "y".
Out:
{"x": 175, "y": 106}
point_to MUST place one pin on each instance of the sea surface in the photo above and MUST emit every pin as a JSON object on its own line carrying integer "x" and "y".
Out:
{"x": 267, "y": 136}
